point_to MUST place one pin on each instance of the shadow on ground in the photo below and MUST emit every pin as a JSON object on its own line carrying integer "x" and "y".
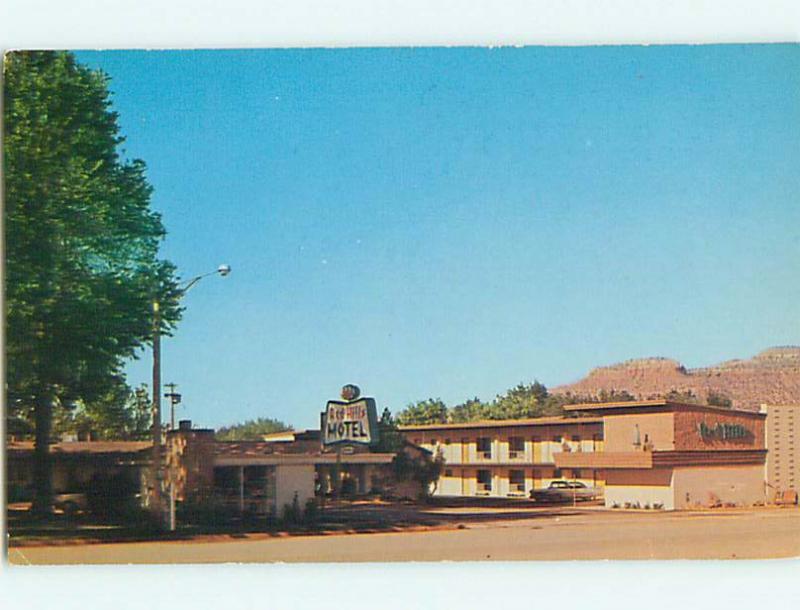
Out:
{"x": 361, "y": 516}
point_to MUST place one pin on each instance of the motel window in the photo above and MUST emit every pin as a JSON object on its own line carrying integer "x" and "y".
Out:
{"x": 576, "y": 474}
{"x": 484, "y": 447}
{"x": 484, "y": 480}
{"x": 557, "y": 438}
{"x": 516, "y": 481}
{"x": 576, "y": 439}
{"x": 447, "y": 441}
{"x": 448, "y": 473}
{"x": 556, "y": 473}
{"x": 516, "y": 446}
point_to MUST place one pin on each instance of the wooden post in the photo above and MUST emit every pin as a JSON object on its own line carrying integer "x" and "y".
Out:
{"x": 157, "y": 467}
{"x": 337, "y": 483}
{"x": 241, "y": 491}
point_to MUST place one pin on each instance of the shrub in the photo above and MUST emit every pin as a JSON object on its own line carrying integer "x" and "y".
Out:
{"x": 349, "y": 487}
{"x": 311, "y": 512}
{"x": 291, "y": 512}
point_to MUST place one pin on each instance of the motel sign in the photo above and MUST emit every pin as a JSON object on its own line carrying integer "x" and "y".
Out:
{"x": 350, "y": 421}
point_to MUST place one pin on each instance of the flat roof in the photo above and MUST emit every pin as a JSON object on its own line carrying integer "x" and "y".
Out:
{"x": 503, "y": 423}
{"x": 288, "y": 433}
{"x": 644, "y": 405}
{"x": 279, "y": 459}
{"x": 80, "y": 447}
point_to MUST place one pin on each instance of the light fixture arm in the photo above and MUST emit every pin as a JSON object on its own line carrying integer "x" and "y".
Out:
{"x": 223, "y": 270}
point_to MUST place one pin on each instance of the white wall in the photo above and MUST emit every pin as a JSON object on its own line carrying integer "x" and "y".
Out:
{"x": 291, "y": 479}
{"x": 741, "y": 485}
{"x": 644, "y": 494}
{"x": 449, "y": 486}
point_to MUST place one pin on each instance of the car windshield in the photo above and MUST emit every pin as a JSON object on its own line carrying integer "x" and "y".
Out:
{"x": 577, "y": 484}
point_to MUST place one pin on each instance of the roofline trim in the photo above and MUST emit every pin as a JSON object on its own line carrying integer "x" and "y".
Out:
{"x": 502, "y": 423}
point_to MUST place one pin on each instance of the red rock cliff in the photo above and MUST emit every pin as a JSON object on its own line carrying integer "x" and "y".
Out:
{"x": 773, "y": 376}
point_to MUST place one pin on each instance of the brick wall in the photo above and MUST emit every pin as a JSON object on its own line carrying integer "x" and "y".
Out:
{"x": 190, "y": 460}
{"x": 688, "y": 436}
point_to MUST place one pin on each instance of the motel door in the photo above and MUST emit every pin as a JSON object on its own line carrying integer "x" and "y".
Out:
{"x": 537, "y": 479}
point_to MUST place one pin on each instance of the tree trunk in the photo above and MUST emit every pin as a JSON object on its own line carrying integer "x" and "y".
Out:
{"x": 42, "y": 467}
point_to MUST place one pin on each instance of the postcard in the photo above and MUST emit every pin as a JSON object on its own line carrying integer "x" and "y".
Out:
{"x": 402, "y": 304}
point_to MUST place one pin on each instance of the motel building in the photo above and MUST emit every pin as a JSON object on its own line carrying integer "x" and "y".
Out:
{"x": 509, "y": 458}
{"x": 654, "y": 453}
{"x": 254, "y": 478}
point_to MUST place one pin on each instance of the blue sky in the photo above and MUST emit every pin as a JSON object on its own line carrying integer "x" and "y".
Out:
{"x": 450, "y": 222}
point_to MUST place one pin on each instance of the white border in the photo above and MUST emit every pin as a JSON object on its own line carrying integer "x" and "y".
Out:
{"x": 76, "y": 24}
{"x": 241, "y": 23}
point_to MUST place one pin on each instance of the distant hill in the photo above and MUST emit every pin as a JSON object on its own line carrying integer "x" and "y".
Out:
{"x": 773, "y": 377}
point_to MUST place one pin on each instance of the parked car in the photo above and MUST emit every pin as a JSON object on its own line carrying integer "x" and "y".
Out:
{"x": 71, "y": 503}
{"x": 565, "y": 491}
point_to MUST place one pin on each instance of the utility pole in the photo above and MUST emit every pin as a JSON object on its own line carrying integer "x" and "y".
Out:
{"x": 174, "y": 399}
{"x": 156, "y": 471}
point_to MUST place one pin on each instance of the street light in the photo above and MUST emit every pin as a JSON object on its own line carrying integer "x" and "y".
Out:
{"x": 156, "y": 471}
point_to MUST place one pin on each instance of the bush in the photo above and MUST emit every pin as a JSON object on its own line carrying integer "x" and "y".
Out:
{"x": 291, "y": 512}
{"x": 311, "y": 512}
{"x": 113, "y": 497}
{"x": 349, "y": 487}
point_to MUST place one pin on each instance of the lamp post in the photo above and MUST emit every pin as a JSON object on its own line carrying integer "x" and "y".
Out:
{"x": 157, "y": 467}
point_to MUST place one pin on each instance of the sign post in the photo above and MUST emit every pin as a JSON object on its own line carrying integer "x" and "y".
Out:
{"x": 347, "y": 422}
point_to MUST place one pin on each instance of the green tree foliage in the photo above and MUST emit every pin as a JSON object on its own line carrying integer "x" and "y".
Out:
{"x": 424, "y": 468}
{"x": 251, "y": 430}
{"x": 389, "y": 438}
{"x": 680, "y": 396}
{"x": 82, "y": 267}
{"x": 716, "y": 399}
{"x": 471, "y": 410}
{"x": 430, "y": 411}
{"x": 615, "y": 396}
{"x": 523, "y": 401}
{"x": 121, "y": 413}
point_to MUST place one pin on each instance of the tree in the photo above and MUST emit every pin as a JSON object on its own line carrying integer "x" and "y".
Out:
{"x": 251, "y": 430}
{"x": 390, "y": 440}
{"x": 717, "y": 399}
{"x": 121, "y": 413}
{"x": 681, "y": 396}
{"x": 82, "y": 267}
{"x": 471, "y": 410}
{"x": 524, "y": 401}
{"x": 423, "y": 468}
{"x": 430, "y": 411}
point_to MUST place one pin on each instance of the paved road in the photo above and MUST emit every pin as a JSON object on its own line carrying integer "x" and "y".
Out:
{"x": 590, "y": 535}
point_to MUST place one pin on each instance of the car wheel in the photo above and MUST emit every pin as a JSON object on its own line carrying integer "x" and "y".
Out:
{"x": 70, "y": 509}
